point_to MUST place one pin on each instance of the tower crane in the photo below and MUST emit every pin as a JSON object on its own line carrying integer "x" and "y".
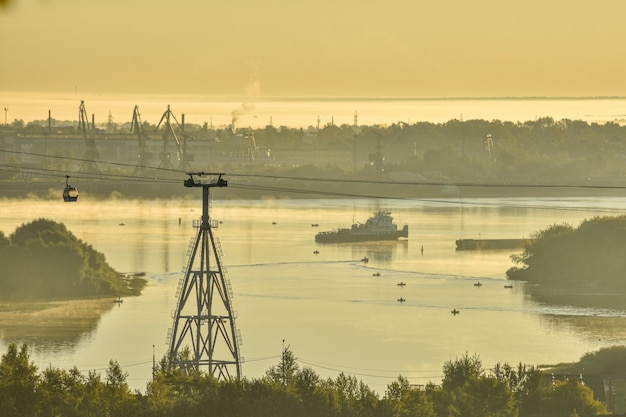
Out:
{"x": 91, "y": 154}
{"x": 144, "y": 155}
{"x": 183, "y": 162}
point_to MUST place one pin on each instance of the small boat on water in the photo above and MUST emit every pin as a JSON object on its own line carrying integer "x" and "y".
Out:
{"x": 378, "y": 227}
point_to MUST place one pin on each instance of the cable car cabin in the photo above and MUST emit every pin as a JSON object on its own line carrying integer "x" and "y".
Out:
{"x": 70, "y": 194}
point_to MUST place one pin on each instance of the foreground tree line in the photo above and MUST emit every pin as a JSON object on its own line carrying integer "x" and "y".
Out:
{"x": 44, "y": 260}
{"x": 467, "y": 390}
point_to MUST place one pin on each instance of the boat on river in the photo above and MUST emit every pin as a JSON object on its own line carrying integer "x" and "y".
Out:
{"x": 487, "y": 244}
{"x": 378, "y": 227}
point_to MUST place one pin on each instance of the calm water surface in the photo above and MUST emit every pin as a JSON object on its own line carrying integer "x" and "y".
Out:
{"x": 329, "y": 307}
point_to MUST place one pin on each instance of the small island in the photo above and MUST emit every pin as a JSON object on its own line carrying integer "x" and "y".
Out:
{"x": 43, "y": 261}
{"x": 586, "y": 260}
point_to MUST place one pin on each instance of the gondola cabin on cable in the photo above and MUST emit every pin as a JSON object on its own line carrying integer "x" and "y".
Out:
{"x": 70, "y": 193}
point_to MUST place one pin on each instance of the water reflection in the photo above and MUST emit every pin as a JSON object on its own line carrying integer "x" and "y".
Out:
{"x": 330, "y": 296}
{"x": 379, "y": 252}
{"x": 53, "y": 326}
{"x": 572, "y": 297}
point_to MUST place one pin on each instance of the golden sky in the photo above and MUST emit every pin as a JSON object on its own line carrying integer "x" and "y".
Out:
{"x": 323, "y": 48}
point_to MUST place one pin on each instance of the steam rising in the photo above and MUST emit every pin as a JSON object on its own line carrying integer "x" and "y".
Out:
{"x": 252, "y": 90}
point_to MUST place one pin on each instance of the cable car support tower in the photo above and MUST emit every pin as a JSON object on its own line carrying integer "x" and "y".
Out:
{"x": 204, "y": 322}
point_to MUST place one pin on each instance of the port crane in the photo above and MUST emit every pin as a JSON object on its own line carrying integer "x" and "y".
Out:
{"x": 183, "y": 159}
{"x": 489, "y": 146}
{"x": 250, "y": 144}
{"x": 144, "y": 155}
{"x": 91, "y": 154}
{"x": 377, "y": 159}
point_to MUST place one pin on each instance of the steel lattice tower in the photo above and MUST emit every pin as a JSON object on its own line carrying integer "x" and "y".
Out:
{"x": 203, "y": 321}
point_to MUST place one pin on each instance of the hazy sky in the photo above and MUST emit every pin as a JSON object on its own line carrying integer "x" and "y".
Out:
{"x": 323, "y": 48}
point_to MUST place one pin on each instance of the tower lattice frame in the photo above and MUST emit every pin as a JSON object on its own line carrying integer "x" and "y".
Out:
{"x": 204, "y": 336}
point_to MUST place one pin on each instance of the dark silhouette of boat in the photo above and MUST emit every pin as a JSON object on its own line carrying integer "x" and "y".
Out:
{"x": 378, "y": 227}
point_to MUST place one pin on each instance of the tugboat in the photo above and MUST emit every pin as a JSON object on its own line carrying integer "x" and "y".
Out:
{"x": 378, "y": 227}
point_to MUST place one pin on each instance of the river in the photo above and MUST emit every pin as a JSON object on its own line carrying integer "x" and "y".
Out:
{"x": 329, "y": 308}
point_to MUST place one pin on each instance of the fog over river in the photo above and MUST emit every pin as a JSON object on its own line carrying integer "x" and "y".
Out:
{"x": 329, "y": 308}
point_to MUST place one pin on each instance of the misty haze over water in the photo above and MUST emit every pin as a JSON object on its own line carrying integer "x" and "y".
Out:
{"x": 330, "y": 308}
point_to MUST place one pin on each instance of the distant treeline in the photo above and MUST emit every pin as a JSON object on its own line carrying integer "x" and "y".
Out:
{"x": 467, "y": 390}
{"x": 42, "y": 260}
{"x": 589, "y": 257}
{"x": 541, "y": 151}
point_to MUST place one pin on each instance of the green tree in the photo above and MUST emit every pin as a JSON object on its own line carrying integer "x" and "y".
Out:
{"x": 468, "y": 392}
{"x": 119, "y": 399}
{"x": 18, "y": 381}
{"x": 525, "y": 382}
{"x": 571, "y": 398}
{"x": 61, "y": 393}
{"x": 286, "y": 370}
{"x": 402, "y": 400}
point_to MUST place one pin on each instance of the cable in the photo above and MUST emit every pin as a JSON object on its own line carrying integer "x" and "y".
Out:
{"x": 48, "y": 172}
{"x": 324, "y": 180}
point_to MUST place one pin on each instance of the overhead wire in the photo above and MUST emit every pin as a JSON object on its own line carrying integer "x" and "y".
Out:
{"x": 155, "y": 179}
{"x": 55, "y": 172}
{"x": 308, "y": 179}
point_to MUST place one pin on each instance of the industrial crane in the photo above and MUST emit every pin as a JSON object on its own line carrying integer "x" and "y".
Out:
{"x": 250, "y": 144}
{"x": 183, "y": 159}
{"x": 91, "y": 154}
{"x": 144, "y": 155}
{"x": 489, "y": 146}
{"x": 377, "y": 159}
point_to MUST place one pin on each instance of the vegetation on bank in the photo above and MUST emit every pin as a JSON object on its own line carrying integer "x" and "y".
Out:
{"x": 42, "y": 260}
{"x": 590, "y": 256}
{"x": 467, "y": 390}
{"x": 536, "y": 152}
